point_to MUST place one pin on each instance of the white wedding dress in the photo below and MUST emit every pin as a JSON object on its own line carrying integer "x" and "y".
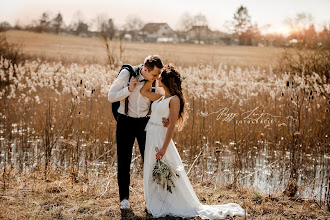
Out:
{"x": 182, "y": 202}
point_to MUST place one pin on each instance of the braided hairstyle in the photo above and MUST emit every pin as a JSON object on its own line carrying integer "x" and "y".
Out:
{"x": 171, "y": 78}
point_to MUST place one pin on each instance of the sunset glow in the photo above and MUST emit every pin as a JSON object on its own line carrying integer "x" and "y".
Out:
{"x": 280, "y": 30}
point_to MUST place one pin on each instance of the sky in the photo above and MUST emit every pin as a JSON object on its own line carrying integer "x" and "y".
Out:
{"x": 217, "y": 12}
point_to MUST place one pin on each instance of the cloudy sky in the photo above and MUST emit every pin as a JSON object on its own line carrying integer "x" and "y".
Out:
{"x": 217, "y": 12}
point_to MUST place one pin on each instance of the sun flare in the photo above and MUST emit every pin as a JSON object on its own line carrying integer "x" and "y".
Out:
{"x": 281, "y": 30}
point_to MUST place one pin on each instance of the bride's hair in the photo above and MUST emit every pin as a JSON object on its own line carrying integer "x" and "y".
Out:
{"x": 171, "y": 78}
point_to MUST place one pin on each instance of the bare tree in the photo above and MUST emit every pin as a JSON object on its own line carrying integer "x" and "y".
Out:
{"x": 105, "y": 25}
{"x": 186, "y": 22}
{"x": 133, "y": 25}
{"x": 114, "y": 48}
{"x": 43, "y": 22}
{"x": 197, "y": 24}
{"x": 79, "y": 26}
{"x": 303, "y": 28}
{"x": 324, "y": 36}
{"x": 201, "y": 27}
{"x": 57, "y": 23}
{"x": 242, "y": 20}
{"x": 301, "y": 21}
{"x": 200, "y": 20}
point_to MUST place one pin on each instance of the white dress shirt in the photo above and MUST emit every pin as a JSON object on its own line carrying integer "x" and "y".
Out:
{"x": 138, "y": 105}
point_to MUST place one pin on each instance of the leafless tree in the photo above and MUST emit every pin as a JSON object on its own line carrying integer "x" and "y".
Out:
{"x": 113, "y": 46}
{"x": 105, "y": 25}
{"x": 43, "y": 22}
{"x": 57, "y": 23}
{"x": 133, "y": 25}
{"x": 79, "y": 26}
{"x": 186, "y": 22}
{"x": 200, "y": 20}
{"x": 242, "y": 20}
{"x": 301, "y": 21}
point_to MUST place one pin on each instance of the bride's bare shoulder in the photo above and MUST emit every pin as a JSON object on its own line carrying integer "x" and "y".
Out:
{"x": 176, "y": 98}
{"x": 175, "y": 101}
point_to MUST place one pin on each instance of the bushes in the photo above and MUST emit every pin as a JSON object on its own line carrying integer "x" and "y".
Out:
{"x": 305, "y": 60}
{"x": 308, "y": 66}
{"x": 12, "y": 53}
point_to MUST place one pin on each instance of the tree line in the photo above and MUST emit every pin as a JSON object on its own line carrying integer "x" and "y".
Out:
{"x": 241, "y": 30}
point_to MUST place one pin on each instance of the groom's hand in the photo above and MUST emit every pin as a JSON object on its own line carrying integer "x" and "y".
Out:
{"x": 165, "y": 122}
{"x": 132, "y": 84}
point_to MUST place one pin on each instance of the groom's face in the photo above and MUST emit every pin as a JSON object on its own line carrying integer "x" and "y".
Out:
{"x": 153, "y": 74}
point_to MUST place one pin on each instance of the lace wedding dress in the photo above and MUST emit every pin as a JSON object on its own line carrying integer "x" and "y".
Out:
{"x": 182, "y": 202}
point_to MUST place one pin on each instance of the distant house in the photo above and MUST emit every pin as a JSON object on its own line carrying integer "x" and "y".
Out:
{"x": 158, "y": 32}
{"x": 199, "y": 34}
{"x": 219, "y": 37}
{"x": 204, "y": 35}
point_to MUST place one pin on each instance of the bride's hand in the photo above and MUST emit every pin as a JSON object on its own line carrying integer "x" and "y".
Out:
{"x": 160, "y": 153}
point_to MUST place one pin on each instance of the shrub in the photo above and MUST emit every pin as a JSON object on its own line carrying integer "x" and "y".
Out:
{"x": 13, "y": 54}
{"x": 11, "y": 51}
{"x": 306, "y": 60}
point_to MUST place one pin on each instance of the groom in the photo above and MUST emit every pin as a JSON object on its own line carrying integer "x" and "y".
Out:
{"x": 131, "y": 125}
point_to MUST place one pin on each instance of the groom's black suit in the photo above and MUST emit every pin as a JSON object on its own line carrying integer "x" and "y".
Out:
{"x": 128, "y": 129}
{"x": 129, "y": 126}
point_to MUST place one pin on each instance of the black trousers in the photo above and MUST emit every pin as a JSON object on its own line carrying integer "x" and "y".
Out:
{"x": 128, "y": 129}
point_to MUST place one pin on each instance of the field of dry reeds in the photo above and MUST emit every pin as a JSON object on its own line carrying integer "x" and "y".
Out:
{"x": 252, "y": 136}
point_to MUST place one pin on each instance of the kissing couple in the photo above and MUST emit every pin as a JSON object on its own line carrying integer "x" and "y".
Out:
{"x": 167, "y": 189}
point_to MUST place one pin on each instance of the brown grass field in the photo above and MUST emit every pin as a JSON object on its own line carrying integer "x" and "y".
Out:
{"x": 61, "y": 197}
{"x": 91, "y": 50}
{"x": 84, "y": 128}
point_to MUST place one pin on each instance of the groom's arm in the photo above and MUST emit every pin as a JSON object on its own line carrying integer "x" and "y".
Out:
{"x": 119, "y": 89}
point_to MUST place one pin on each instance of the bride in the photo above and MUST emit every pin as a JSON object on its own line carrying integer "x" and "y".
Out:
{"x": 178, "y": 200}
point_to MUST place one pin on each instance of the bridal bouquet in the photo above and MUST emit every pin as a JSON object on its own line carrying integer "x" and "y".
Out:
{"x": 163, "y": 175}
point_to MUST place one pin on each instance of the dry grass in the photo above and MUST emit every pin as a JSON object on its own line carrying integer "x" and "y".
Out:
{"x": 78, "y": 49}
{"x": 49, "y": 90}
{"x": 30, "y": 197}
{"x": 58, "y": 114}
